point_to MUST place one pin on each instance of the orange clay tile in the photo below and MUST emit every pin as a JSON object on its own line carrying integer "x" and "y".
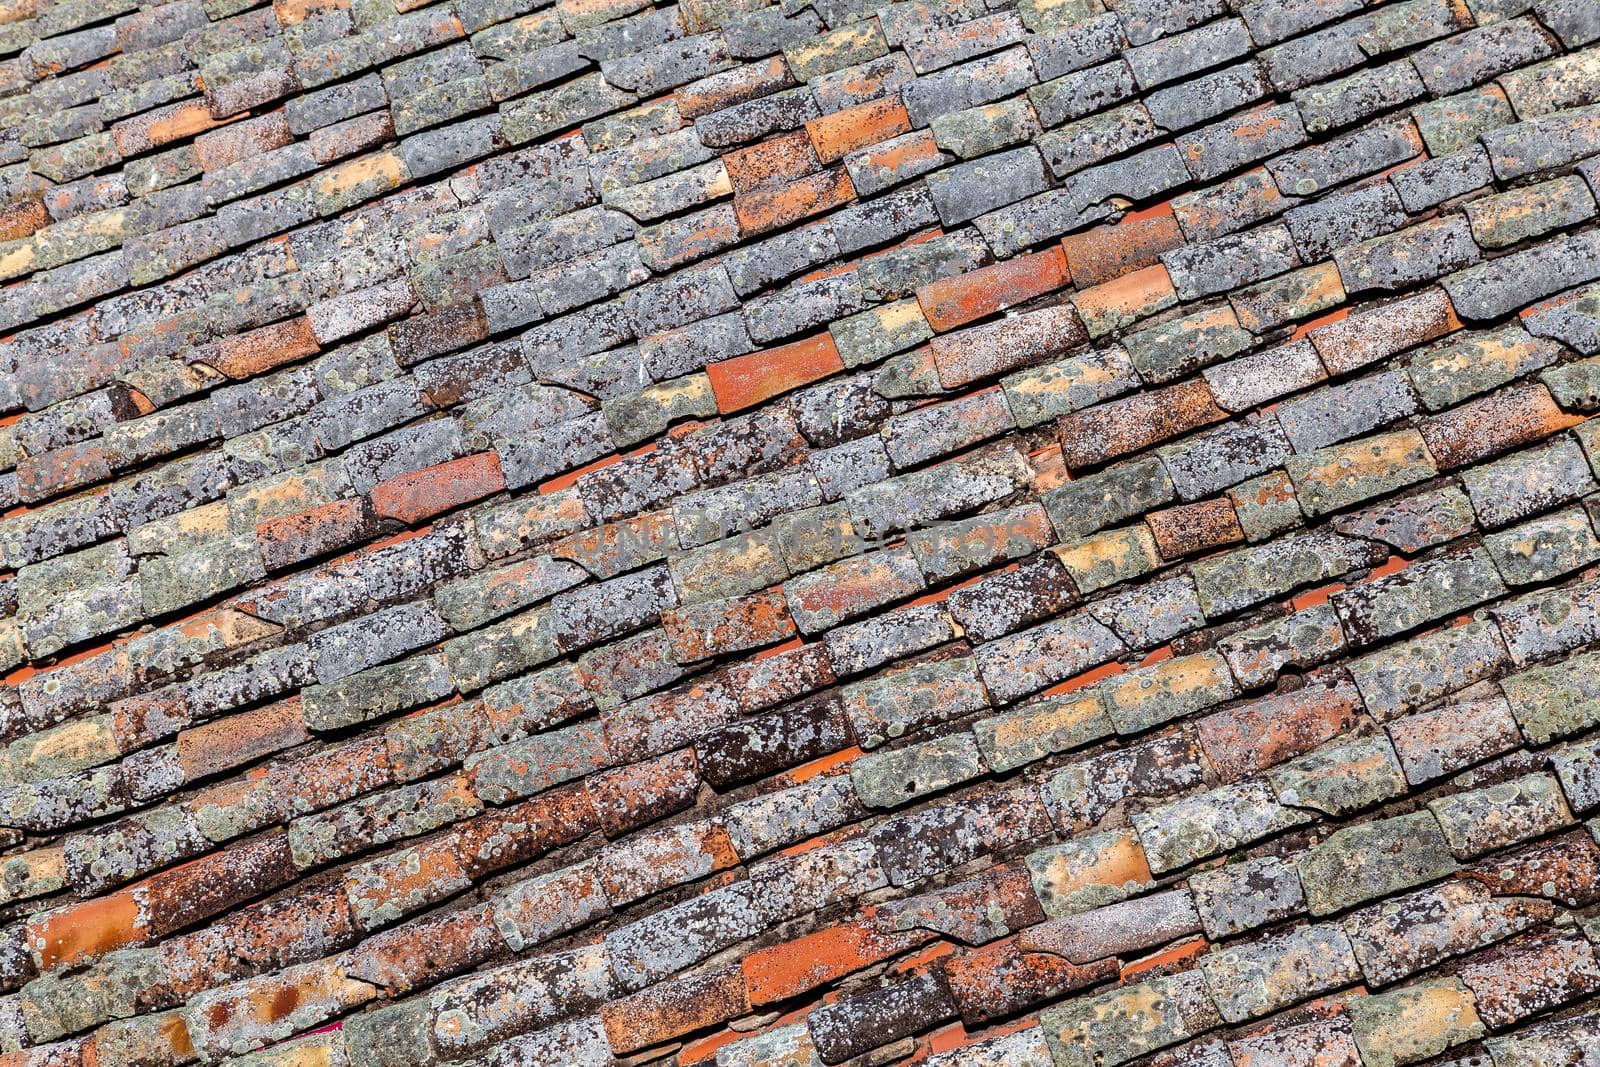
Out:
{"x": 87, "y": 929}
{"x": 162, "y": 126}
{"x": 22, "y": 218}
{"x": 237, "y": 141}
{"x": 247, "y": 354}
{"x": 776, "y": 161}
{"x": 1106, "y": 252}
{"x": 293, "y": 12}
{"x": 1192, "y": 528}
{"x": 745, "y": 381}
{"x": 1493, "y": 424}
{"x": 910, "y": 154}
{"x": 963, "y": 298}
{"x": 762, "y": 76}
{"x": 1050, "y": 470}
{"x": 420, "y": 495}
{"x": 240, "y": 739}
{"x": 1127, "y": 295}
{"x": 1247, "y": 738}
{"x": 770, "y": 208}
{"x": 663, "y": 1012}
{"x": 315, "y": 531}
{"x": 182, "y": 895}
{"x": 791, "y": 968}
{"x": 835, "y": 136}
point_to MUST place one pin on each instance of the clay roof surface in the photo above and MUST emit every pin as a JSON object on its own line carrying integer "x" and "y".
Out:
{"x": 732, "y": 533}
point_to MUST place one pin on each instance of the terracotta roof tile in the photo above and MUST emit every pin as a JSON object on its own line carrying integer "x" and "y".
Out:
{"x": 918, "y": 533}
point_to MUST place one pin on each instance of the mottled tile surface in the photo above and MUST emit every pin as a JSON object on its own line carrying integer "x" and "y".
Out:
{"x": 977, "y": 533}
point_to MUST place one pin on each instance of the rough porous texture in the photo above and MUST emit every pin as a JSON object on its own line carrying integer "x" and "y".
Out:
{"x": 969, "y": 533}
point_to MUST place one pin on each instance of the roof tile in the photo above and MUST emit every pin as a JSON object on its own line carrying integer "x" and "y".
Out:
{"x": 245, "y": 350}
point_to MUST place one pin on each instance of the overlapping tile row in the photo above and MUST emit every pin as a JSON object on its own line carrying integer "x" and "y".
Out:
{"x": 1040, "y": 533}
